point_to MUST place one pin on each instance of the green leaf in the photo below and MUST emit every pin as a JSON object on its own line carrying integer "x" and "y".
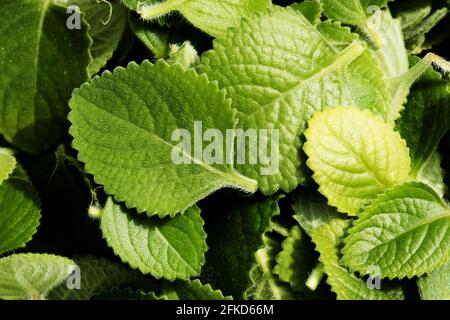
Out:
{"x": 426, "y": 118}
{"x": 355, "y": 156}
{"x": 338, "y": 36}
{"x": 19, "y": 212}
{"x": 241, "y": 224}
{"x": 328, "y": 238}
{"x": 32, "y": 276}
{"x": 211, "y": 16}
{"x": 190, "y": 290}
{"x": 155, "y": 37}
{"x": 280, "y": 80}
{"x": 265, "y": 285}
{"x": 124, "y": 125}
{"x": 311, "y": 210}
{"x": 405, "y": 232}
{"x": 354, "y": 12}
{"x": 165, "y": 248}
{"x": 50, "y": 60}
{"x": 295, "y": 261}
{"x": 98, "y": 275}
{"x": 7, "y": 163}
{"x": 436, "y": 284}
{"x": 432, "y": 174}
{"x": 311, "y": 9}
{"x": 107, "y": 22}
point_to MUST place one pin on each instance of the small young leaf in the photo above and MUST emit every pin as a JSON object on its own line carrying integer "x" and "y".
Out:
{"x": 167, "y": 248}
{"x": 7, "y": 163}
{"x": 355, "y": 156}
{"x": 405, "y": 232}
{"x": 347, "y": 286}
{"x": 96, "y": 276}
{"x": 279, "y": 76}
{"x": 211, "y": 16}
{"x": 436, "y": 284}
{"x": 50, "y": 60}
{"x": 295, "y": 261}
{"x": 240, "y": 225}
{"x": 190, "y": 290}
{"x": 123, "y": 126}
{"x": 19, "y": 212}
{"x": 265, "y": 285}
{"x": 32, "y": 276}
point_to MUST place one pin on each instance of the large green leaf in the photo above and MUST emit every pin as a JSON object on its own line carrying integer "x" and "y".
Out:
{"x": 98, "y": 275}
{"x": 328, "y": 239}
{"x": 19, "y": 212}
{"x": 42, "y": 61}
{"x": 355, "y": 156}
{"x": 239, "y": 225}
{"x": 279, "y": 76}
{"x": 165, "y": 248}
{"x": 32, "y": 276}
{"x": 124, "y": 124}
{"x": 405, "y": 232}
{"x": 212, "y": 16}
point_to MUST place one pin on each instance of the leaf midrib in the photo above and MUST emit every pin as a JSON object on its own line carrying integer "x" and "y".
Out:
{"x": 345, "y": 57}
{"x": 232, "y": 176}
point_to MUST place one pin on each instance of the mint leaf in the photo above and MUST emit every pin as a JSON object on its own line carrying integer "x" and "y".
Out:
{"x": 190, "y": 290}
{"x": 355, "y": 156}
{"x": 98, "y": 275}
{"x": 35, "y": 86}
{"x": 426, "y": 118}
{"x": 405, "y": 232}
{"x": 354, "y": 12}
{"x": 432, "y": 174}
{"x": 328, "y": 238}
{"x": 130, "y": 138}
{"x": 7, "y": 163}
{"x": 107, "y": 22}
{"x": 19, "y": 212}
{"x": 32, "y": 276}
{"x": 311, "y": 210}
{"x": 311, "y": 10}
{"x": 240, "y": 225}
{"x": 419, "y": 17}
{"x": 211, "y": 16}
{"x": 167, "y": 248}
{"x": 276, "y": 86}
{"x": 295, "y": 261}
{"x": 436, "y": 284}
{"x": 155, "y": 37}
{"x": 265, "y": 285}
{"x": 338, "y": 36}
